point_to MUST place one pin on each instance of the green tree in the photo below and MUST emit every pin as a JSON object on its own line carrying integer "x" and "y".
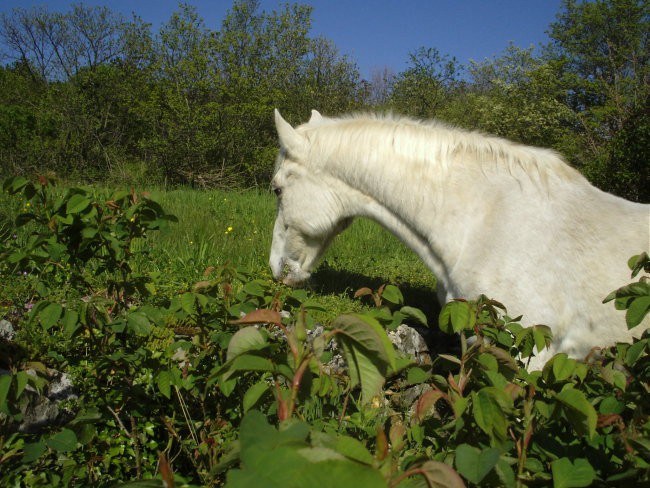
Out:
{"x": 604, "y": 46}
{"x": 424, "y": 87}
{"x": 181, "y": 136}
{"x": 517, "y": 96}
{"x": 267, "y": 60}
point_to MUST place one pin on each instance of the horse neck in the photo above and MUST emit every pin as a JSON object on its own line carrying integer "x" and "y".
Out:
{"x": 409, "y": 201}
{"x": 435, "y": 199}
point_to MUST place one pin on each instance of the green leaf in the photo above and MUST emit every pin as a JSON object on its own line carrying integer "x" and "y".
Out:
{"x": 613, "y": 376}
{"x": 33, "y": 451}
{"x": 151, "y": 483}
{"x": 254, "y": 394}
{"x": 226, "y": 384}
{"x": 188, "y": 303}
{"x": 579, "y": 411}
{"x": 15, "y": 184}
{"x": 64, "y": 441}
{"x": 563, "y": 366}
{"x": 638, "y": 309}
{"x": 417, "y": 375}
{"x": 474, "y": 464}
{"x": 505, "y": 473}
{"x": 164, "y": 382}
{"x": 415, "y": 314}
{"x": 363, "y": 369}
{"x": 89, "y": 232}
{"x": 283, "y": 458}
{"x": 367, "y": 333}
{"x": 5, "y": 385}
{"x": 456, "y": 316}
{"x": 391, "y": 294}
{"x": 543, "y": 336}
{"x": 254, "y": 288}
{"x": 635, "y": 351}
{"x": 138, "y": 323}
{"x": 77, "y": 204}
{"x": 353, "y": 449}
{"x": 572, "y": 475}
{"x": 250, "y": 362}
{"x": 50, "y": 315}
{"x": 489, "y": 412}
{"x": 70, "y": 323}
{"x": 244, "y": 340}
{"x": 22, "y": 378}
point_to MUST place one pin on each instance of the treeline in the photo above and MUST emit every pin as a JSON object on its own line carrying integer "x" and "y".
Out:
{"x": 94, "y": 96}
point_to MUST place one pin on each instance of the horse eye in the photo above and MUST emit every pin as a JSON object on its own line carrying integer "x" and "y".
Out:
{"x": 277, "y": 191}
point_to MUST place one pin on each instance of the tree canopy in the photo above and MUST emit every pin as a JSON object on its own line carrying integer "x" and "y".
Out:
{"x": 92, "y": 96}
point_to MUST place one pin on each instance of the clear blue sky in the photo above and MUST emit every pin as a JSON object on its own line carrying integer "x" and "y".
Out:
{"x": 379, "y": 33}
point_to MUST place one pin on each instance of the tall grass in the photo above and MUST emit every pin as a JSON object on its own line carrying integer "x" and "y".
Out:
{"x": 215, "y": 227}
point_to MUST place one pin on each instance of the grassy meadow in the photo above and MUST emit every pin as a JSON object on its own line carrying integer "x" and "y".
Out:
{"x": 218, "y": 227}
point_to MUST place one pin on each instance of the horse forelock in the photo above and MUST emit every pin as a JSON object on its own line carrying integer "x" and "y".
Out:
{"x": 432, "y": 146}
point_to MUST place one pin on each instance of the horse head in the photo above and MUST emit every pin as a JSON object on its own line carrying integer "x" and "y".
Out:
{"x": 311, "y": 205}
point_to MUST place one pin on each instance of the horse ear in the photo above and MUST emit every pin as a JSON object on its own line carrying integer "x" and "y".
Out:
{"x": 294, "y": 143}
{"x": 315, "y": 117}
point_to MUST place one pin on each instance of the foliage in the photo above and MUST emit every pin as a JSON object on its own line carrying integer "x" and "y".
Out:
{"x": 183, "y": 105}
{"x": 421, "y": 90}
{"x": 94, "y": 97}
{"x": 229, "y": 381}
{"x": 635, "y": 297}
{"x": 603, "y": 47}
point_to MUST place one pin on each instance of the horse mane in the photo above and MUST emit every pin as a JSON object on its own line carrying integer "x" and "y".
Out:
{"x": 432, "y": 144}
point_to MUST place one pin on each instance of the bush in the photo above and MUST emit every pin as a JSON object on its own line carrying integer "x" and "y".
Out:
{"x": 227, "y": 382}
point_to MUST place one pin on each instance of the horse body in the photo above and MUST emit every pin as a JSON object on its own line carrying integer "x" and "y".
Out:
{"x": 486, "y": 216}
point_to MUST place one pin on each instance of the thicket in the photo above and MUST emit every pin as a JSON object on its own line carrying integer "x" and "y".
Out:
{"x": 229, "y": 381}
{"x": 93, "y": 96}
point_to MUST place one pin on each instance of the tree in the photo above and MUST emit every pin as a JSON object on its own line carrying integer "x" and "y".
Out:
{"x": 517, "y": 95}
{"x": 423, "y": 88}
{"x": 604, "y": 46}
{"x": 31, "y": 37}
{"x": 380, "y": 86}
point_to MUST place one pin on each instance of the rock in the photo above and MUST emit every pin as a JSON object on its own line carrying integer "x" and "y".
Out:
{"x": 409, "y": 341}
{"x": 7, "y": 331}
{"x": 337, "y": 363}
{"x": 406, "y": 339}
{"x": 51, "y": 407}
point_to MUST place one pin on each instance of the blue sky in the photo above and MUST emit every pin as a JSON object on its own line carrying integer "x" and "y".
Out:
{"x": 379, "y": 33}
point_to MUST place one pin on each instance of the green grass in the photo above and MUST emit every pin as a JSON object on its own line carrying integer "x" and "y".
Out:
{"x": 364, "y": 255}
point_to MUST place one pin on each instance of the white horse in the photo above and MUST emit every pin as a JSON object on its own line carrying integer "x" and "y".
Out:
{"x": 485, "y": 214}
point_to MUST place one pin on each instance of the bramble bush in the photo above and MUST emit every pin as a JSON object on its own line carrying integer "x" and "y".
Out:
{"x": 227, "y": 382}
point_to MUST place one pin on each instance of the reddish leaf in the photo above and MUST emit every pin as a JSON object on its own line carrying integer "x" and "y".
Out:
{"x": 362, "y": 292}
{"x": 261, "y": 316}
{"x": 396, "y": 435}
{"x": 201, "y": 285}
{"x": 166, "y": 470}
{"x": 439, "y": 475}
{"x": 426, "y": 402}
{"x": 382, "y": 444}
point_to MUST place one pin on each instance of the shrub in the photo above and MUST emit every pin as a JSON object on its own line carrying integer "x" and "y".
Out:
{"x": 229, "y": 381}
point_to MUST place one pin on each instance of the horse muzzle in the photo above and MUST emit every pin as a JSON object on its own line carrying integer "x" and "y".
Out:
{"x": 290, "y": 273}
